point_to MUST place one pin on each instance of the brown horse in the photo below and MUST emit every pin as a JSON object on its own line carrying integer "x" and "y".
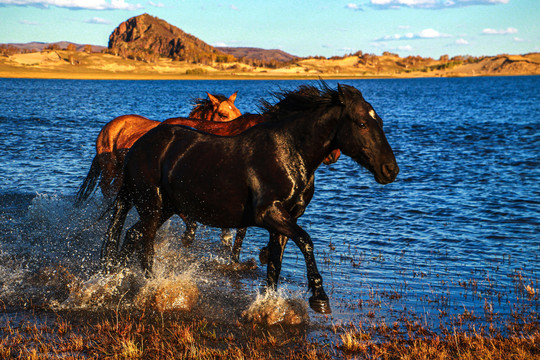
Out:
{"x": 129, "y": 128}
{"x": 117, "y": 137}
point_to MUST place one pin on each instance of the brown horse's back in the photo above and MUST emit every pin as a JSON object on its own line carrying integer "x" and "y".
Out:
{"x": 122, "y": 132}
{"x": 229, "y": 128}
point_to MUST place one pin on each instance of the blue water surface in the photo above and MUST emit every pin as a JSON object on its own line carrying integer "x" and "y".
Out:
{"x": 465, "y": 207}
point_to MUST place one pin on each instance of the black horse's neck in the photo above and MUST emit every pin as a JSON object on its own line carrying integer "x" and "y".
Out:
{"x": 313, "y": 133}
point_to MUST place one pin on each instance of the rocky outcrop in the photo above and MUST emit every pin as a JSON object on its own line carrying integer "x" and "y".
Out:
{"x": 145, "y": 36}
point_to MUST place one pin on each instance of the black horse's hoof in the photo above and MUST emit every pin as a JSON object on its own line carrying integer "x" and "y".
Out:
{"x": 263, "y": 255}
{"x": 320, "y": 306}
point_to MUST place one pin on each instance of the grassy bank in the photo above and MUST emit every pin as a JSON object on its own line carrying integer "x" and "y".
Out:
{"x": 63, "y": 64}
{"x": 174, "y": 336}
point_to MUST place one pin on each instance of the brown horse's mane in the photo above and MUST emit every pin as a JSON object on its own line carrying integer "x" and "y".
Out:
{"x": 205, "y": 105}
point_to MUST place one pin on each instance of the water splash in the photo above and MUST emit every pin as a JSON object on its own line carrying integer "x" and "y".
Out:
{"x": 277, "y": 307}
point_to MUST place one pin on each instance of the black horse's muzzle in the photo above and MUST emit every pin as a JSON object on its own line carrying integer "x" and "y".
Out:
{"x": 388, "y": 173}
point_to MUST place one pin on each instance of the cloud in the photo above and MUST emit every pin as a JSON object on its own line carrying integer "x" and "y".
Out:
{"x": 424, "y": 34}
{"x": 158, "y": 5}
{"x": 98, "y": 20}
{"x": 462, "y": 41}
{"x": 27, "y": 22}
{"x": 75, "y": 4}
{"x": 355, "y": 7}
{"x": 431, "y": 4}
{"x": 405, "y": 48}
{"x": 506, "y": 31}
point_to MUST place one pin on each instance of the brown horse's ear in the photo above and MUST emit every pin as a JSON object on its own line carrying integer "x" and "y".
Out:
{"x": 233, "y": 97}
{"x": 213, "y": 99}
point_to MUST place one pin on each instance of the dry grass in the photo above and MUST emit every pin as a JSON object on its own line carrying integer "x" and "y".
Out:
{"x": 166, "y": 336}
{"x": 421, "y": 343}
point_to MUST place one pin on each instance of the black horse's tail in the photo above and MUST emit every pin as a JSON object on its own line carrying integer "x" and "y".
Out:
{"x": 109, "y": 250}
{"x": 89, "y": 184}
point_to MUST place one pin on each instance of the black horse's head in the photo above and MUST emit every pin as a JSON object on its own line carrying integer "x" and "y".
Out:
{"x": 361, "y": 136}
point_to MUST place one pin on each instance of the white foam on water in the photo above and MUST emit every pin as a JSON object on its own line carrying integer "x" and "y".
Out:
{"x": 11, "y": 277}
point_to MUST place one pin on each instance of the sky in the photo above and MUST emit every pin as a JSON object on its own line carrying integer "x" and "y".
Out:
{"x": 429, "y": 28}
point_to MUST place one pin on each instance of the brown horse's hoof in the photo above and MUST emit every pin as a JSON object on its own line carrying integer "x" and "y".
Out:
{"x": 320, "y": 306}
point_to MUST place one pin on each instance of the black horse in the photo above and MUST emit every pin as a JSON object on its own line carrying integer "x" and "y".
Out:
{"x": 268, "y": 172}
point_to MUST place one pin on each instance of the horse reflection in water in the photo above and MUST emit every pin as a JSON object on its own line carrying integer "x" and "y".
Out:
{"x": 268, "y": 172}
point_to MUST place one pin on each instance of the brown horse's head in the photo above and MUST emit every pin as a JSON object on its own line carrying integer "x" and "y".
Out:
{"x": 216, "y": 108}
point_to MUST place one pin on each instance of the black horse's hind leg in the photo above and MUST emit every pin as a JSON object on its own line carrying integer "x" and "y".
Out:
{"x": 109, "y": 251}
{"x": 276, "y": 247}
{"x": 189, "y": 234}
{"x": 132, "y": 239}
{"x": 276, "y": 219}
{"x": 226, "y": 237}
{"x": 239, "y": 239}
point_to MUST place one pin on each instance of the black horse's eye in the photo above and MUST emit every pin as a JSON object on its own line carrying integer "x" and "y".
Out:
{"x": 362, "y": 125}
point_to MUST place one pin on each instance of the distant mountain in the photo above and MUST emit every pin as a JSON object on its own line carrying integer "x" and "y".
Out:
{"x": 38, "y": 46}
{"x": 146, "y": 35}
{"x": 258, "y": 54}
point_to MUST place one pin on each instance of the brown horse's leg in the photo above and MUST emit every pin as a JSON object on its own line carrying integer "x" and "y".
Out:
{"x": 240, "y": 234}
{"x": 276, "y": 219}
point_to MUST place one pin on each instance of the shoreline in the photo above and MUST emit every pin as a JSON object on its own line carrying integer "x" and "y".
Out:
{"x": 168, "y": 77}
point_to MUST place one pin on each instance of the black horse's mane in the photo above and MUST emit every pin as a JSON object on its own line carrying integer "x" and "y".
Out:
{"x": 306, "y": 97}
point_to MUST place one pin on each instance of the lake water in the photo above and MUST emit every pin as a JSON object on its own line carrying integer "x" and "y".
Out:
{"x": 457, "y": 232}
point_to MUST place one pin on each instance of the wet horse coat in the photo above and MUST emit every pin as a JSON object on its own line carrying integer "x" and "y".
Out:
{"x": 268, "y": 172}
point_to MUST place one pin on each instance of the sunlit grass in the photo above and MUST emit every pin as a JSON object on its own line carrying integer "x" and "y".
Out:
{"x": 117, "y": 336}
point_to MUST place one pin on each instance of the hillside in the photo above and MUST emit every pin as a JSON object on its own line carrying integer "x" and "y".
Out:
{"x": 84, "y": 65}
{"x": 39, "y": 46}
{"x": 258, "y": 54}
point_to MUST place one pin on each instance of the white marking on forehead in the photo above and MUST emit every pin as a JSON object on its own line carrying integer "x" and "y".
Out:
{"x": 372, "y": 113}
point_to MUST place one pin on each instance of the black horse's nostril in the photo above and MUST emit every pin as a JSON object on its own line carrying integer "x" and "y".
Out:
{"x": 390, "y": 170}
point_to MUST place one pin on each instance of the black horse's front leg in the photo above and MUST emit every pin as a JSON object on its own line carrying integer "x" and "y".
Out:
{"x": 278, "y": 220}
